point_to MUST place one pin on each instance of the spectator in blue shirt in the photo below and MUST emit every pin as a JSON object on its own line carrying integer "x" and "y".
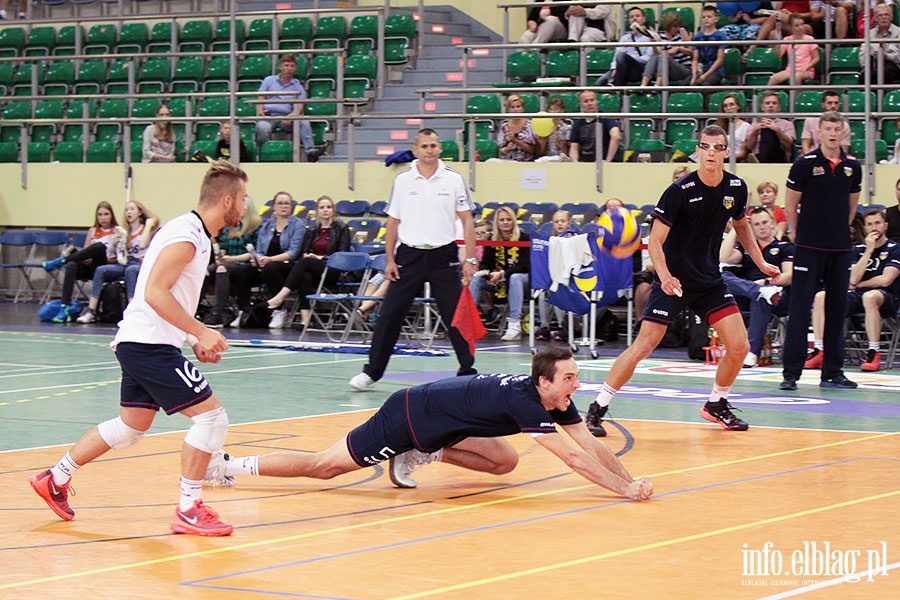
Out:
{"x": 292, "y": 90}
{"x": 707, "y": 66}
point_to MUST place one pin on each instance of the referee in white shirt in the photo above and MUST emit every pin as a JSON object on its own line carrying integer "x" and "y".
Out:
{"x": 425, "y": 202}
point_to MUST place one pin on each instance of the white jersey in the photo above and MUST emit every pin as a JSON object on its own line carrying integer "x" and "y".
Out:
{"x": 140, "y": 322}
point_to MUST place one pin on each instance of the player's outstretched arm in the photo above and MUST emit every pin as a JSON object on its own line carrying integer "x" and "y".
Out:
{"x": 596, "y": 448}
{"x": 592, "y": 469}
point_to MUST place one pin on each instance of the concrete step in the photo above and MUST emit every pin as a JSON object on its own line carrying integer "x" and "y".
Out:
{"x": 421, "y": 78}
{"x": 401, "y": 123}
{"x": 455, "y": 63}
{"x": 410, "y": 106}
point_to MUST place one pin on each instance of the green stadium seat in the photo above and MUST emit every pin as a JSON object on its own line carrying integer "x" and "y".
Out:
{"x": 856, "y": 101}
{"x": 647, "y": 145}
{"x": 217, "y": 110}
{"x": 218, "y": 75}
{"x": 22, "y": 82}
{"x": 60, "y": 78}
{"x": 47, "y": 109}
{"x": 330, "y": 32}
{"x": 481, "y": 104}
{"x": 41, "y": 41}
{"x": 102, "y": 152}
{"x": 609, "y": 103}
{"x": 733, "y": 67}
{"x": 891, "y": 102}
{"x": 296, "y": 32}
{"x": 196, "y": 36}
{"x": 761, "y": 63}
{"x": 253, "y": 70}
{"x": 484, "y": 149}
{"x": 133, "y": 38}
{"x": 890, "y": 132}
{"x": 136, "y": 150}
{"x": 65, "y": 39}
{"x": 523, "y": 66}
{"x": 7, "y": 75}
{"x": 561, "y": 64}
{"x": 259, "y": 35}
{"x": 9, "y": 152}
{"x": 858, "y": 149}
{"x": 449, "y": 150}
{"x": 647, "y": 102}
{"x": 845, "y": 68}
{"x": 189, "y": 75}
{"x": 111, "y": 108}
{"x": 69, "y": 152}
{"x": 17, "y": 109}
{"x": 207, "y": 147}
{"x": 39, "y": 152}
{"x": 570, "y": 100}
{"x": 155, "y": 76}
{"x": 857, "y": 129}
{"x": 101, "y": 39}
{"x": 360, "y": 72}
{"x": 321, "y": 130}
{"x": 12, "y": 41}
{"x": 322, "y": 76}
{"x": 678, "y": 129}
{"x": 808, "y": 101}
{"x": 144, "y": 108}
{"x": 685, "y": 102}
{"x": 599, "y": 61}
{"x": 276, "y": 151}
{"x": 399, "y": 33}
{"x": 684, "y": 146}
{"x": 117, "y": 77}
{"x": 75, "y": 132}
{"x": 164, "y": 37}
{"x": 531, "y": 102}
{"x": 222, "y": 36}
{"x": 91, "y": 78}
{"x": 363, "y": 35}
{"x": 639, "y": 129}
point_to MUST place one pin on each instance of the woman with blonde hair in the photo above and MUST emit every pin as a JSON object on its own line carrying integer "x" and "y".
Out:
{"x": 159, "y": 139}
{"x": 131, "y": 246}
{"x": 507, "y": 270}
{"x": 230, "y": 250}
{"x": 515, "y": 138}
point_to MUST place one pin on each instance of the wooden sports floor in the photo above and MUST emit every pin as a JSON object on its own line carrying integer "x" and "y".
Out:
{"x": 804, "y": 504}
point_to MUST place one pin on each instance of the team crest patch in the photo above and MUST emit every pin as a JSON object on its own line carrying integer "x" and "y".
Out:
{"x": 728, "y": 202}
{"x": 848, "y": 171}
{"x": 818, "y": 171}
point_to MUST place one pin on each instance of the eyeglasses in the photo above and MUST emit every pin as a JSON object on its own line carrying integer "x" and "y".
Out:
{"x": 712, "y": 147}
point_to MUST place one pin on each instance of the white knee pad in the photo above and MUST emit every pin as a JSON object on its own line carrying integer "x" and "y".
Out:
{"x": 118, "y": 435}
{"x": 207, "y": 434}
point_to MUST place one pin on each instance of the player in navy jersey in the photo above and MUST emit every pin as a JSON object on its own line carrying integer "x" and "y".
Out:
{"x": 820, "y": 203}
{"x": 874, "y": 290}
{"x": 688, "y": 223}
{"x": 460, "y": 421}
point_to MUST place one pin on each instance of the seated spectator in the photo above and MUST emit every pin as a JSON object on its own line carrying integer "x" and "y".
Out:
{"x": 769, "y": 30}
{"x": 562, "y": 226}
{"x": 324, "y": 236}
{"x": 742, "y": 25}
{"x": 508, "y": 269}
{"x": 555, "y": 147}
{"x": 376, "y": 287}
{"x": 733, "y": 104}
{"x": 545, "y": 23}
{"x": 483, "y": 231}
{"x": 515, "y": 138}
{"x": 277, "y": 248}
{"x": 770, "y": 139}
{"x": 768, "y": 194}
{"x": 131, "y": 245}
{"x": 230, "y": 255}
{"x": 582, "y": 138}
{"x": 159, "y": 139}
{"x": 287, "y": 87}
{"x": 809, "y": 138}
{"x": 223, "y": 148}
{"x": 858, "y": 229}
{"x": 99, "y": 249}
{"x": 751, "y": 283}
{"x": 805, "y": 56}
{"x": 837, "y": 12}
{"x": 707, "y": 66}
{"x": 592, "y": 23}
{"x": 892, "y": 214}
{"x": 678, "y": 58}
{"x": 874, "y": 290}
{"x": 885, "y": 41}
{"x": 630, "y": 61}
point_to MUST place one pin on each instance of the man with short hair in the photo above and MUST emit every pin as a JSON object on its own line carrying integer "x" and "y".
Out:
{"x": 885, "y": 40}
{"x": 284, "y": 86}
{"x": 874, "y": 290}
{"x": 629, "y": 61}
{"x": 685, "y": 239}
{"x": 460, "y": 421}
{"x": 825, "y": 183}
{"x": 809, "y": 139}
{"x": 155, "y": 374}
{"x": 749, "y": 282}
{"x": 771, "y": 138}
{"x": 583, "y": 138}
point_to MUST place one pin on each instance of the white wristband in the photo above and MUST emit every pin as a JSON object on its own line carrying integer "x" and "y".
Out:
{"x": 192, "y": 340}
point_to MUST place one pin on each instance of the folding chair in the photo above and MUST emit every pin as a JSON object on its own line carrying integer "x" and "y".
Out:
{"x": 24, "y": 241}
{"x": 332, "y": 307}
{"x": 49, "y": 244}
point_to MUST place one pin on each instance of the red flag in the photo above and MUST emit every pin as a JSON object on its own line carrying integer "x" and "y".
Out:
{"x": 467, "y": 320}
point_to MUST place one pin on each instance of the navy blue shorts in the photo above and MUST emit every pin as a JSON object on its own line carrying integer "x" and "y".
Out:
{"x": 713, "y": 304}
{"x": 384, "y": 435}
{"x": 158, "y": 376}
{"x": 855, "y": 302}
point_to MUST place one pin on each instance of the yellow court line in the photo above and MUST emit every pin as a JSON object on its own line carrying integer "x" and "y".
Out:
{"x": 383, "y": 522}
{"x": 653, "y": 546}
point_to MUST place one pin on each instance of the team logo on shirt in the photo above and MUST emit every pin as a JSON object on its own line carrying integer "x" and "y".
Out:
{"x": 818, "y": 171}
{"x": 848, "y": 171}
{"x": 728, "y": 202}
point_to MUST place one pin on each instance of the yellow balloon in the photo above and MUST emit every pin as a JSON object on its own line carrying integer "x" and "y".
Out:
{"x": 542, "y": 126}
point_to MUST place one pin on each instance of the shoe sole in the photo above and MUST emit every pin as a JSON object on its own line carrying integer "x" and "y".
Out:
{"x": 597, "y": 430}
{"x": 838, "y": 386}
{"x": 179, "y": 527}
{"x": 396, "y": 481}
{"x": 709, "y": 417}
{"x": 59, "y": 512}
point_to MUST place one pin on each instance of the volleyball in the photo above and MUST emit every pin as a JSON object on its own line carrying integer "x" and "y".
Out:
{"x": 618, "y": 234}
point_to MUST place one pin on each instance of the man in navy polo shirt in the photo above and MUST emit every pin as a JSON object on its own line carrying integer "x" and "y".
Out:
{"x": 684, "y": 248}
{"x": 822, "y": 191}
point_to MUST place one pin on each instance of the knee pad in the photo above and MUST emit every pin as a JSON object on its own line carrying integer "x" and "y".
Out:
{"x": 118, "y": 435}
{"x": 207, "y": 434}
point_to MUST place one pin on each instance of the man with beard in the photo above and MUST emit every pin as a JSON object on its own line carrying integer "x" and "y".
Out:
{"x": 155, "y": 374}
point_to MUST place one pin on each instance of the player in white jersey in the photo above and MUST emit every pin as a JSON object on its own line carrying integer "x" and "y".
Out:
{"x": 155, "y": 374}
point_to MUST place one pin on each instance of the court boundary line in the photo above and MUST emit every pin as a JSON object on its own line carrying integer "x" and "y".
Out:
{"x": 382, "y": 522}
{"x": 829, "y": 583}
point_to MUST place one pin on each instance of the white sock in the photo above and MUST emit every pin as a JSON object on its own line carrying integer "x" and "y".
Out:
{"x": 437, "y": 456}
{"x": 719, "y": 392}
{"x": 190, "y": 491}
{"x": 819, "y": 345}
{"x": 876, "y": 346}
{"x": 64, "y": 470}
{"x": 248, "y": 465}
{"x": 2, "y": 14}
{"x": 606, "y": 395}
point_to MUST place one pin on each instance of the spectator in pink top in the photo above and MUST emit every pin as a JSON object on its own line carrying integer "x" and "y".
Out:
{"x": 804, "y": 56}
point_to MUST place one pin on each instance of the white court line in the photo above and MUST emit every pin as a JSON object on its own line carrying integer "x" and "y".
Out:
{"x": 832, "y": 582}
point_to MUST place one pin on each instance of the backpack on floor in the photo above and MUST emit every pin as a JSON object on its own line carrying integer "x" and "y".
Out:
{"x": 112, "y": 302}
